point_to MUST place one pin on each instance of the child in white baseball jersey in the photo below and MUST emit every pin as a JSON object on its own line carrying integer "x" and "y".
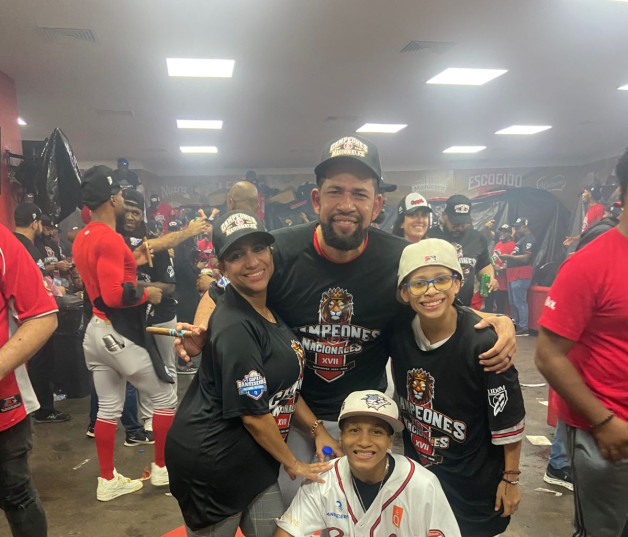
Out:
{"x": 369, "y": 491}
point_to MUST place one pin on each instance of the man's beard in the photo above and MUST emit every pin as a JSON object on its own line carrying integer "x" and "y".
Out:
{"x": 344, "y": 243}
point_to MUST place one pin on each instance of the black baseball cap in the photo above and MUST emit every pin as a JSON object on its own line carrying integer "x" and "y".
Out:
{"x": 386, "y": 187}
{"x": 134, "y": 198}
{"x": 596, "y": 191}
{"x": 234, "y": 225}
{"x": 154, "y": 197}
{"x": 458, "y": 209}
{"x": 26, "y": 213}
{"x": 504, "y": 228}
{"x": 355, "y": 148}
{"x": 520, "y": 222}
{"x": 47, "y": 221}
{"x": 174, "y": 225}
{"x": 98, "y": 186}
{"x": 411, "y": 203}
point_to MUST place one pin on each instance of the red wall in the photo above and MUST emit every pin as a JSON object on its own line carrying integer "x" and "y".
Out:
{"x": 11, "y": 139}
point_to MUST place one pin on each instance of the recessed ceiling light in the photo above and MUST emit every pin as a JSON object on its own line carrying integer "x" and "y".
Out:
{"x": 199, "y": 67}
{"x": 466, "y": 77}
{"x": 389, "y": 128}
{"x": 21, "y": 122}
{"x": 198, "y": 149}
{"x": 465, "y": 149}
{"x": 625, "y": 86}
{"x": 524, "y": 129}
{"x": 215, "y": 124}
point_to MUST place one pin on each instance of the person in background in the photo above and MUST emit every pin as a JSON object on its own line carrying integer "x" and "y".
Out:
{"x": 471, "y": 245}
{"x": 414, "y": 217}
{"x": 591, "y": 199}
{"x": 519, "y": 273}
{"x": 116, "y": 345}
{"x": 464, "y": 424}
{"x": 610, "y": 220}
{"x": 234, "y": 419}
{"x": 25, "y": 302}
{"x": 243, "y": 196}
{"x": 28, "y": 228}
{"x": 381, "y": 494}
{"x": 497, "y": 300}
{"x": 582, "y": 351}
{"x": 125, "y": 177}
{"x": 159, "y": 211}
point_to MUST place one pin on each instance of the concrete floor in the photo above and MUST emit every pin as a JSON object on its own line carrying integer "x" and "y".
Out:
{"x": 65, "y": 469}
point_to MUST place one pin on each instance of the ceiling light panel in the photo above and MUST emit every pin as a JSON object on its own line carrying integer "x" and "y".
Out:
{"x": 388, "y": 128}
{"x": 464, "y": 149}
{"x": 21, "y": 122}
{"x": 524, "y": 129}
{"x": 625, "y": 86}
{"x": 213, "y": 124}
{"x": 198, "y": 149}
{"x": 466, "y": 77}
{"x": 199, "y": 67}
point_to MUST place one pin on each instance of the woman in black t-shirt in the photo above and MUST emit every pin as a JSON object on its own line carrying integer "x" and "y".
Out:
{"x": 226, "y": 444}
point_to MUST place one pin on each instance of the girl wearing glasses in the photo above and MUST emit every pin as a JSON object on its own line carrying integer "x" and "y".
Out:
{"x": 463, "y": 423}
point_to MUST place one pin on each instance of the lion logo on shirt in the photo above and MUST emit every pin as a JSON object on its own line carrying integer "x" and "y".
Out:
{"x": 336, "y": 306}
{"x": 420, "y": 386}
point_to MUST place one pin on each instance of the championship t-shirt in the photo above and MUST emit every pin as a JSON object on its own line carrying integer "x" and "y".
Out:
{"x": 457, "y": 416}
{"x": 526, "y": 244}
{"x": 472, "y": 250}
{"x": 22, "y": 297}
{"x": 49, "y": 249}
{"x": 250, "y": 367}
{"x": 162, "y": 271}
{"x": 587, "y": 304}
{"x": 339, "y": 310}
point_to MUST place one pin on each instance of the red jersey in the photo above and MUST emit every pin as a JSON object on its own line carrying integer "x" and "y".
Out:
{"x": 162, "y": 214}
{"x": 22, "y": 297}
{"x": 105, "y": 262}
{"x": 588, "y": 304}
{"x": 500, "y": 270}
{"x": 594, "y": 214}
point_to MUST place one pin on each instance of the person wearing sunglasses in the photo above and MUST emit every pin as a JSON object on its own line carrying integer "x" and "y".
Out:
{"x": 461, "y": 422}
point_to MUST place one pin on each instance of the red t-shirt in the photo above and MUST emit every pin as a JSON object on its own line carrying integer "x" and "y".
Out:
{"x": 594, "y": 214}
{"x": 500, "y": 270}
{"x": 162, "y": 214}
{"x": 105, "y": 262}
{"x": 22, "y": 297}
{"x": 588, "y": 304}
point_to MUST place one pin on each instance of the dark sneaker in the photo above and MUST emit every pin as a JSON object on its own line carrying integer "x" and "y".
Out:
{"x": 90, "y": 431}
{"x": 522, "y": 332}
{"x": 559, "y": 476}
{"x": 54, "y": 417}
{"x": 137, "y": 439}
{"x": 150, "y": 436}
{"x": 187, "y": 370}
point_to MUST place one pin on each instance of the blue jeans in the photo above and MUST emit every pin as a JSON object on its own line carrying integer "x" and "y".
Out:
{"x": 518, "y": 297}
{"x": 129, "y": 418}
{"x": 558, "y": 455}
{"x": 18, "y": 497}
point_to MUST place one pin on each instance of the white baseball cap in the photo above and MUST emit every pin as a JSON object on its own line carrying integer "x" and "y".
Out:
{"x": 427, "y": 252}
{"x": 412, "y": 203}
{"x": 371, "y": 403}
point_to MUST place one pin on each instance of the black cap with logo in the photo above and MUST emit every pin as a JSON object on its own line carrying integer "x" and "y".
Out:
{"x": 234, "y": 225}
{"x": 520, "y": 222}
{"x": 26, "y": 213}
{"x": 98, "y": 186}
{"x": 458, "y": 209}
{"x": 134, "y": 198}
{"x": 47, "y": 221}
{"x": 355, "y": 148}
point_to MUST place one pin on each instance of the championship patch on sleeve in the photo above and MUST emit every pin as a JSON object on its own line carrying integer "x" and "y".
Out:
{"x": 252, "y": 385}
{"x": 497, "y": 398}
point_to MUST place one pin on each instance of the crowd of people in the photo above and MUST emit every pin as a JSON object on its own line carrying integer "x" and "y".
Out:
{"x": 294, "y": 330}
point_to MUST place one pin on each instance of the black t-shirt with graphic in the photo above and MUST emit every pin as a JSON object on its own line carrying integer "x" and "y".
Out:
{"x": 250, "y": 367}
{"x": 455, "y": 413}
{"x": 472, "y": 249}
{"x": 339, "y": 310}
{"x": 50, "y": 250}
{"x": 162, "y": 271}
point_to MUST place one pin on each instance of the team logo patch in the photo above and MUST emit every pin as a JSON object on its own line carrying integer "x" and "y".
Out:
{"x": 396, "y": 516}
{"x": 430, "y": 258}
{"x": 237, "y": 222}
{"x": 375, "y": 401}
{"x": 497, "y": 398}
{"x": 10, "y": 403}
{"x": 348, "y": 147}
{"x": 252, "y": 385}
{"x": 135, "y": 241}
{"x": 461, "y": 208}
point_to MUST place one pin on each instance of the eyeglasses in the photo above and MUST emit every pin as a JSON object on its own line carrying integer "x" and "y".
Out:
{"x": 440, "y": 283}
